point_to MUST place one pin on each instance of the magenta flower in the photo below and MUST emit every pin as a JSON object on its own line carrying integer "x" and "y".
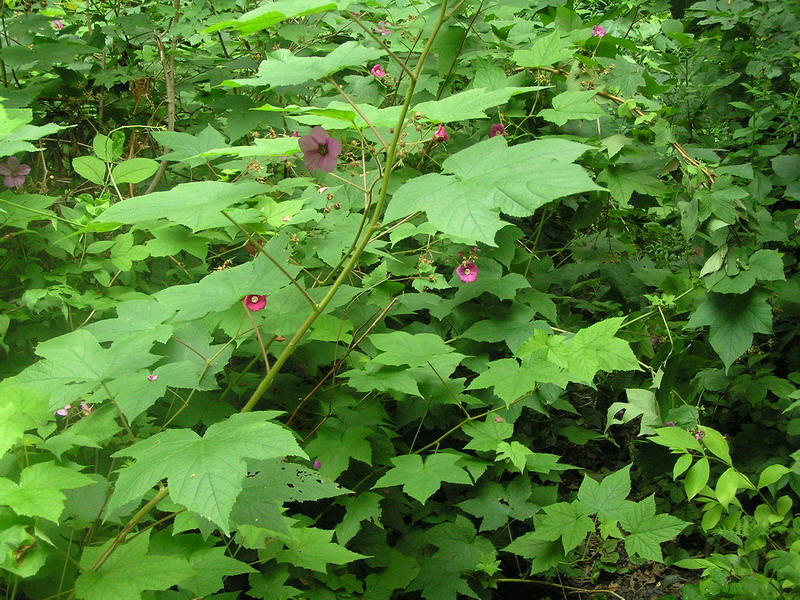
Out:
{"x": 86, "y": 408}
{"x": 497, "y": 129}
{"x": 14, "y": 172}
{"x": 440, "y": 135}
{"x": 320, "y": 150}
{"x": 255, "y": 302}
{"x": 58, "y": 24}
{"x": 467, "y": 272}
{"x": 62, "y": 412}
{"x": 152, "y": 377}
{"x": 669, "y": 424}
{"x": 317, "y": 464}
{"x": 378, "y": 71}
{"x": 382, "y": 28}
{"x": 598, "y": 31}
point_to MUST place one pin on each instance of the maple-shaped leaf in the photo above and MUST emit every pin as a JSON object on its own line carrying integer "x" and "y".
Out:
{"x": 75, "y": 364}
{"x": 568, "y": 521}
{"x": 129, "y": 571}
{"x": 732, "y": 320}
{"x": 572, "y": 105}
{"x": 401, "y": 348}
{"x": 495, "y": 504}
{"x": 459, "y": 548}
{"x": 39, "y": 491}
{"x": 595, "y": 348}
{"x": 313, "y": 549}
{"x": 543, "y": 554}
{"x": 490, "y": 178}
{"x": 20, "y": 410}
{"x": 421, "y": 480}
{"x": 210, "y": 566}
{"x": 204, "y": 474}
{"x": 488, "y": 434}
{"x": 362, "y": 507}
{"x": 647, "y": 530}
{"x": 607, "y": 498}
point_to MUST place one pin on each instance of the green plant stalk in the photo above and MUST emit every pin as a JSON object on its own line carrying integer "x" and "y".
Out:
{"x": 316, "y": 311}
{"x": 372, "y": 227}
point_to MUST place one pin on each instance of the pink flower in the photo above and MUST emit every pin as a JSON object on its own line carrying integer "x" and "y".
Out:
{"x": 598, "y": 31}
{"x": 378, "y": 71}
{"x": 467, "y": 272}
{"x": 86, "y": 408}
{"x": 497, "y": 129}
{"x": 14, "y": 172}
{"x": 58, "y": 24}
{"x": 440, "y": 135}
{"x": 382, "y": 29}
{"x": 320, "y": 150}
{"x": 498, "y": 419}
{"x": 295, "y": 134}
{"x": 317, "y": 464}
{"x": 255, "y": 302}
{"x": 669, "y": 424}
{"x": 152, "y": 377}
{"x": 62, "y": 412}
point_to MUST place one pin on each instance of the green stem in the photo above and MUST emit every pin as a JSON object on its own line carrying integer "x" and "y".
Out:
{"x": 372, "y": 227}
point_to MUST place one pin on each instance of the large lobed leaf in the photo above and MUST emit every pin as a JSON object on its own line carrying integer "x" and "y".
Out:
{"x": 490, "y": 178}
{"x": 205, "y": 474}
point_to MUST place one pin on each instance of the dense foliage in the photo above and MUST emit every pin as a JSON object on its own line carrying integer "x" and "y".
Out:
{"x": 399, "y": 299}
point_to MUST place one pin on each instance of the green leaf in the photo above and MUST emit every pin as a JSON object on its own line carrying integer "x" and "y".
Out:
{"x": 421, "y": 480}
{"x": 469, "y": 104}
{"x": 210, "y": 567}
{"x": 623, "y": 180}
{"x": 490, "y": 178}
{"x": 595, "y": 348}
{"x": 220, "y": 290}
{"x": 696, "y": 477}
{"x": 508, "y": 378}
{"x": 495, "y": 504}
{"x": 727, "y": 485}
{"x": 767, "y": 265}
{"x": 487, "y": 435}
{"x": 515, "y": 452}
{"x": 543, "y": 554}
{"x": 77, "y": 358}
{"x": 676, "y": 439}
{"x": 108, "y": 149}
{"x": 546, "y": 51}
{"x": 311, "y": 548}
{"x": 15, "y": 131}
{"x": 205, "y": 474}
{"x": 641, "y": 403}
{"x": 402, "y": 348}
{"x": 568, "y": 521}
{"x": 283, "y": 68}
{"x": 770, "y": 475}
{"x": 196, "y": 205}
{"x": 363, "y": 507}
{"x": 20, "y": 411}
{"x": 134, "y": 170}
{"x": 609, "y": 497}
{"x": 39, "y": 491}
{"x": 572, "y": 105}
{"x": 129, "y": 571}
{"x": 648, "y": 530}
{"x": 185, "y": 146}
{"x": 282, "y": 146}
{"x": 459, "y": 548}
{"x": 273, "y": 13}
{"x": 91, "y": 168}
{"x": 733, "y": 319}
